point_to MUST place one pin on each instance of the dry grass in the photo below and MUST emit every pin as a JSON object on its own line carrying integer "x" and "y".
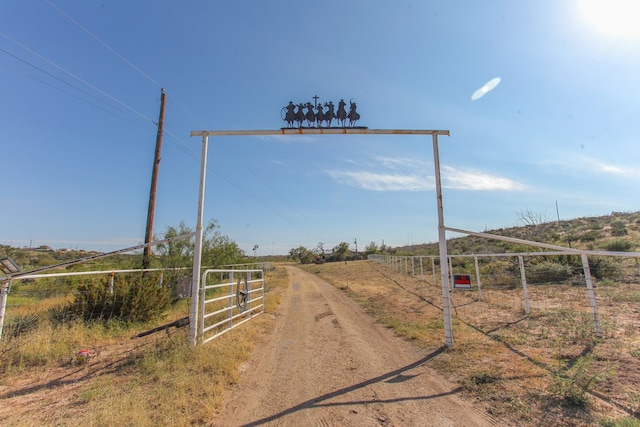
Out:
{"x": 156, "y": 380}
{"x": 543, "y": 369}
{"x": 521, "y": 368}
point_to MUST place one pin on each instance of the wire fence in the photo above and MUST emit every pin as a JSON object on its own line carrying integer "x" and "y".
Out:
{"x": 548, "y": 289}
{"x": 108, "y": 295}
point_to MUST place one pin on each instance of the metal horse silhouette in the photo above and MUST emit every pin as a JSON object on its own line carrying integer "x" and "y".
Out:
{"x": 320, "y": 115}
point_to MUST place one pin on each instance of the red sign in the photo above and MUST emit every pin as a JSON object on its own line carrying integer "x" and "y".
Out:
{"x": 462, "y": 281}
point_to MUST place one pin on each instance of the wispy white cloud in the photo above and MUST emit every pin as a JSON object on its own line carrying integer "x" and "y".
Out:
{"x": 290, "y": 139}
{"x": 381, "y": 182}
{"x": 410, "y": 175}
{"x": 590, "y": 165}
{"x": 610, "y": 169}
{"x": 477, "y": 181}
{"x": 401, "y": 163}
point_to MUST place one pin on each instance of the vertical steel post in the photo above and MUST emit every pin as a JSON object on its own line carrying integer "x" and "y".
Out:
{"x": 450, "y": 272}
{"x": 231, "y": 295}
{"x": 433, "y": 270}
{"x": 525, "y": 290}
{"x": 444, "y": 270}
{"x": 475, "y": 258}
{"x": 592, "y": 295}
{"x": 197, "y": 254}
{"x": 4, "y": 294}
{"x": 111, "y": 278}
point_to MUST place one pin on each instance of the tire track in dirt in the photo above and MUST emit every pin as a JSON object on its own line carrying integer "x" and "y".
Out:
{"x": 327, "y": 363}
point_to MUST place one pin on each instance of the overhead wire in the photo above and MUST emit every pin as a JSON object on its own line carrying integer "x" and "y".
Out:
{"x": 227, "y": 180}
{"x": 69, "y": 73}
{"x": 176, "y": 141}
{"x": 99, "y": 40}
{"x": 60, "y": 89}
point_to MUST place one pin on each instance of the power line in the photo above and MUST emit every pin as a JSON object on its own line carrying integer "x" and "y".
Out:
{"x": 76, "y": 77}
{"x": 62, "y": 81}
{"x": 116, "y": 53}
{"x": 137, "y": 69}
{"x": 174, "y": 140}
{"x": 112, "y": 50}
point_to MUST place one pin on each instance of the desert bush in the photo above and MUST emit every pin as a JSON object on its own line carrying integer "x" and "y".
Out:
{"x": 60, "y": 314}
{"x": 573, "y": 385}
{"x": 135, "y": 298}
{"x": 624, "y": 422}
{"x": 591, "y": 236}
{"x": 619, "y": 228}
{"x": 20, "y": 325}
{"x": 604, "y": 267}
{"x": 548, "y": 271}
{"x": 619, "y": 245}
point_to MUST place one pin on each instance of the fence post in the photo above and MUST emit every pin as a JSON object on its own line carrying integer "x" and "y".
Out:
{"x": 433, "y": 270}
{"x": 413, "y": 266}
{"x": 592, "y": 295}
{"x": 111, "y": 282}
{"x": 421, "y": 269}
{"x": 4, "y": 293}
{"x": 525, "y": 290}
{"x": 450, "y": 273}
{"x": 197, "y": 252}
{"x": 249, "y": 287}
{"x": 475, "y": 258}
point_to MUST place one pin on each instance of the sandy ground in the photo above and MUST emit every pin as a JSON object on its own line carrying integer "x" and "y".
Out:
{"x": 330, "y": 364}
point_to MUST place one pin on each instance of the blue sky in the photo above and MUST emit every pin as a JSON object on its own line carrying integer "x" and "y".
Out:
{"x": 80, "y": 85}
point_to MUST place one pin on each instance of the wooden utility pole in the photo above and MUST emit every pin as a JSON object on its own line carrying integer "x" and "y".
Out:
{"x": 146, "y": 258}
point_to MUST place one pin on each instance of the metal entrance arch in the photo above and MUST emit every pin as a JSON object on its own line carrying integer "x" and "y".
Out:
{"x": 197, "y": 258}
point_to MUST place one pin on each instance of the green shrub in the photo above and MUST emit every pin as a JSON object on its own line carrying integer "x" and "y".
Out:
{"x": 604, "y": 267}
{"x": 619, "y": 228}
{"x": 548, "y": 271}
{"x": 60, "y": 314}
{"x": 619, "y": 245}
{"x": 20, "y": 325}
{"x": 572, "y": 386}
{"x": 625, "y": 422}
{"x": 135, "y": 298}
{"x": 591, "y": 236}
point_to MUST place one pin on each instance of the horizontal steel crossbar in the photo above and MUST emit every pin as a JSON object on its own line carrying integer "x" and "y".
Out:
{"x": 322, "y": 131}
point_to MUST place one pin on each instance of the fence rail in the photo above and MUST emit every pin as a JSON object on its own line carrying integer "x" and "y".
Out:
{"x": 236, "y": 297}
{"x": 545, "y": 280}
{"x": 32, "y": 297}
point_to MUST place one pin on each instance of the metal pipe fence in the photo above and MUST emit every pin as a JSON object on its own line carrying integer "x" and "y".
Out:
{"x": 235, "y": 297}
{"x": 59, "y": 298}
{"x": 585, "y": 293}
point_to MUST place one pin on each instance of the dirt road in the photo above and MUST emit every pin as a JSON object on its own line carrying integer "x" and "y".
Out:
{"x": 329, "y": 364}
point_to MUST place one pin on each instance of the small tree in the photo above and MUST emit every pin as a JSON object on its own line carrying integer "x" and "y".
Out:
{"x": 371, "y": 248}
{"x": 177, "y": 253}
{"x": 341, "y": 252}
{"x": 217, "y": 249}
{"x": 302, "y": 254}
{"x": 535, "y": 224}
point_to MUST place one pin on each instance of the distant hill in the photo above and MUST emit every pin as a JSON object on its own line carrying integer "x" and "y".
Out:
{"x": 617, "y": 231}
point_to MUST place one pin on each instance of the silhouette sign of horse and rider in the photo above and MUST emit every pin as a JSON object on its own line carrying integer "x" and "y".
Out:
{"x": 319, "y": 115}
